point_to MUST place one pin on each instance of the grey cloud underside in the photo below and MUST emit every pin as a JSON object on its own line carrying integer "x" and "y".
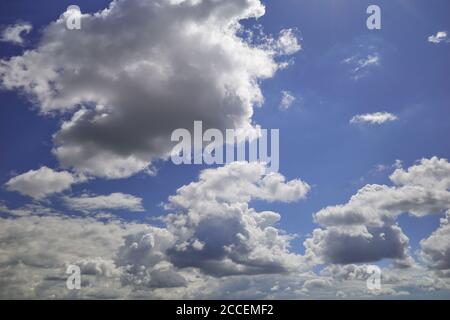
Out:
{"x": 220, "y": 234}
{"x": 341, "y": 247}
{"x": 99, "y": 250}
{"x": 365, "y": 230}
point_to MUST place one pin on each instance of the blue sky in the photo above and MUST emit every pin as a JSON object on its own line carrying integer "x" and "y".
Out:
{"x": 412, "y": 82}
{"x": 318, "y": 144}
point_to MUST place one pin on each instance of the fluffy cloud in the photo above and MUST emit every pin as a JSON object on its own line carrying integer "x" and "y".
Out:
{"x": 374, "y": 205}
{"x": 97, "y": 266}
{"x": 123, "y": 260}
{"x": 374, "y": 118}
{"x": 14, "y": 33}
{"x": 439, "y": 37}
{"x": 238, "y": 182}
{"x": 286, "y": 44}
{"x": 357, "y": 244}
{"x": 213, "y": 242}
{"x": 174, "y": 63}
{"x": 431, "y": 173}
{"x": 143, "y": 257}
{"x": 287, "y": 99}
{"x": 217, "y": 231}
{"x": 212, "y": 232}
{"x": 435, "y": 250}
{"x": 116, "y": 201}
{"x": 40, "y": 183}
{"x": 346, "y": 272}
{"x": 35, "y": 252}
{"x": 116, "y": 258}
{"x": 364, "y": 229}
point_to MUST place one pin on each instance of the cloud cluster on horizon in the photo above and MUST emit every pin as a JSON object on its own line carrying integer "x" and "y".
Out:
{"x": 212, "y": 229}
{"x": 213, "y": 236}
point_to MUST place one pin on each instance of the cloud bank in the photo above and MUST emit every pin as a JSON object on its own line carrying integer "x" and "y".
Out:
{"x": 213, "y": 244}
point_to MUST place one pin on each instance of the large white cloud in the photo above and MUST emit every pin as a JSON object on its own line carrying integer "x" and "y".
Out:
{"x": 175, "y": 62}
{"x": 431, "y": 173}
{"x": 420, "y": 190}
{"x": 239, "y": 182}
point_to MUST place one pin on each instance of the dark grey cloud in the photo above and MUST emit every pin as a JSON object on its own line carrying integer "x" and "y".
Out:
{"x": 358, "y": 245}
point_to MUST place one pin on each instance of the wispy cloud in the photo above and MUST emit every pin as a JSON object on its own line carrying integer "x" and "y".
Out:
{"x": 362, "y": 64}
{"x": 113, "y": 201}
{"x": 374, "y": 118}
{"x": 287, "y": 99}
{"x": 14, "y": 33}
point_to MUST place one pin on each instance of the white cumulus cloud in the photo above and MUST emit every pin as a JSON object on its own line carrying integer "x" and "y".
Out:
{"x": 215, "y": 245}
{"x": 365, "y": 229}
{"x": 40, "y": 183}
{"x": 435, "y": 249}
{"x": 211, "y": 232}
{"x": 129, "y": 88}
